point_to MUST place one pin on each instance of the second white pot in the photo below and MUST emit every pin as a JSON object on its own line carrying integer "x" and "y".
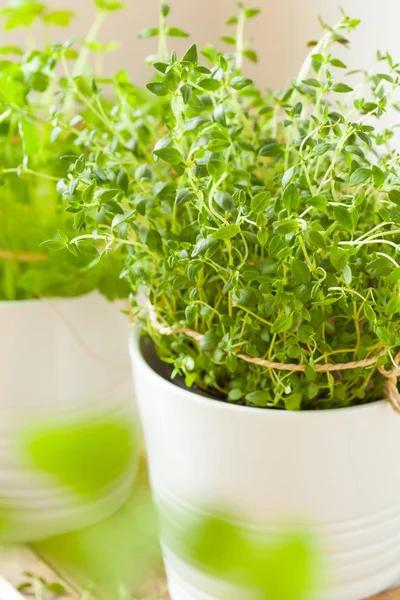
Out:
{"x": 63, "y": 362}
{"x": 333, "y": 471}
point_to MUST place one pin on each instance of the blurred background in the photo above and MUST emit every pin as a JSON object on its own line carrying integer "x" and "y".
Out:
{"x": 280, "y": 34}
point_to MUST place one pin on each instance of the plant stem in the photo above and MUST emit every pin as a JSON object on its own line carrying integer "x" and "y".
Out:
{"x": 240, "y": 40}
{"x": 25, "y": 171}
{"x": 162, "y": 53}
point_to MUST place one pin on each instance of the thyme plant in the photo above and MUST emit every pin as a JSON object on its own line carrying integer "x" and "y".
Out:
{"x": 268, "y": 222}
{"x": 31, "y": 165}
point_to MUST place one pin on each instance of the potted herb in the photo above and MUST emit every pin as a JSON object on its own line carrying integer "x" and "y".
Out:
{"x": 263, "y": 231}
{"x": 56, "y": 359}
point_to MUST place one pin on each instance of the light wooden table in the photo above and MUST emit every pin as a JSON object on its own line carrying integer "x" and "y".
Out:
{"x": 16, "y": 562}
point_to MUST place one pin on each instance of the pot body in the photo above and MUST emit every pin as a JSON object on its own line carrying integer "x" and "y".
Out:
{"x": 334, "y": 472}
{"x": 63, "y": 362}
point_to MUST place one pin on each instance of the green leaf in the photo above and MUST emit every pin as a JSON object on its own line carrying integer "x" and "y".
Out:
{"x": 383, "y": 335}
{"x": 159, "y": 88}
{"x": 251, "y": 55}
{"x": 184, "y": 195}
{"x": 246, "y": 297}
{"x": 259, "y": 202}
{"x": 288, "y": 176}
{"x": 347, "y": 275}
{"x": 154, "y": 241}
{"x": 170, "y": 155}
{"x": 190, "y": 313}
{"x": 228, "y": 40}
{"x": 343, "y": 216}
{"x": 312, "y": 390}
{"x": 123, "y": 180}
{"x": 359, "y": 176}
{"x": 231, "y": 362}
{"x": 218, "y": 145}
{"x": 88, "y": 192}
{"x": 161, "y": 67}
{"x": 293, "y": 401}
{"x": 121, "y": 218}
{"x": 259, "y": 398}
{"x": 235, "y": 394}
{"x": 109, "y": 5}
{"x": 56, "y": 588}
{"x": 393, "y": 306}
{"x": 30, "y": 137}
{"x": 22, "y": 16}
{"x": 394, "y": 276}
{"x": 149, "y": 32}
{"x": 369, "y": 313}
{"x": 210, "y": 84}
{"x": 203, "y": 245}
{"x": 320, "y": 149}
{"x": 316, "y": 238}
{"x": 312, "y": 83}
{"x": 394, "y": 196}
{"x": 176, "y": 32}
{"x": 113, "y": 207}
{"x": 60, "y": 18}
{"x": 282, "y": 323}
{"x": 339, "y": 259}
{"x": 342, "y": 88}
{"x": 107, "y": 194}
{"x": 262, "y": 236}
{"x": 272, "y": 148}
{"x": 227, "y": 232}
{"x": 11, "y": 50}
{"x": 239, "y": 82}
{"x": 195, "y": 122}
{"x": 378, "y": 175}
{"x": 286, "y": 226}
{"x": 300, "y": 271}
{"x": 250, "y": 13}
{"x": 224, "y": 200}
{"x": 209, "y": 341}
{"x": 165, "y": 9}
{"x": 55, "y": 244}
{"x": 291, "y": 197}
{"x": 365, "y": 138}
{"x": 379, "y": 267}
{"x": 191, "y": 55}
{"x": 335, "y": 62}
{"x": 106, "y": 444}
{"x": 319, "y": 202}
{"x": 186, "y": 91}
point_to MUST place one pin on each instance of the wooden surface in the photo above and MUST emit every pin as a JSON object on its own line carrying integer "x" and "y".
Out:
{"x": 392, "y": 595}
{"x": 15, "y": 563}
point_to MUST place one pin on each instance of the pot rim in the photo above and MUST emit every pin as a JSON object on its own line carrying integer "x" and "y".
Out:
{"x": 48, "y": 299}
{"x": 348, "y": 411}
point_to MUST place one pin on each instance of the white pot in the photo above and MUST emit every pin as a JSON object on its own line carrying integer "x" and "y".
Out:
{"x": 59, "y": 351}
{"x": 62, "y": 361}
{"x": 334, "y": 471}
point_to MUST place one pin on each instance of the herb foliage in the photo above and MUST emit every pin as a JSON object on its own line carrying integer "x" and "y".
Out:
{"x": 34, "y": 156}
{"x": 270, "y": 222}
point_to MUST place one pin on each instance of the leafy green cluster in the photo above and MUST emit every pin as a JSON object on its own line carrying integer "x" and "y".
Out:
{"x": 270, "y": 223}
{"x": 31, "y": 164}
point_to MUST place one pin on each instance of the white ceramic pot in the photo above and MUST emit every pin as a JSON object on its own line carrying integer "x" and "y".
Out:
{"x": 62, "y": 361}
{"x": 60, "y": 351}
{"x": 334, "y": 471}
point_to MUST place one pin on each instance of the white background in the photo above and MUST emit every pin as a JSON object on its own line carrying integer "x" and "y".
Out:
{"x": 280, "y": 33}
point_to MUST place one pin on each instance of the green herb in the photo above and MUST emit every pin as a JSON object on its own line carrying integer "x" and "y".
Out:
{"x": 269, "y": 223}
{"x": 32, "y": 162}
